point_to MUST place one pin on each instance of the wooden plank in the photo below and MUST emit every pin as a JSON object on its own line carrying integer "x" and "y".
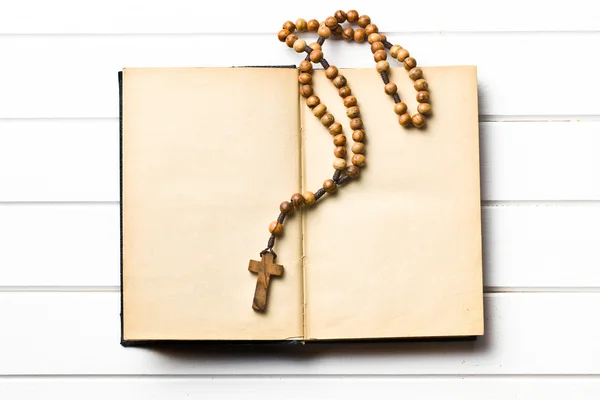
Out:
{"x": 76, "y": 76}
{"x": 59, "y": 245}
{"x": 136, "y": 16}
{"x": 42, "y": 160}
{"x": 350, "y": 387}
{"x": 78, "y": 333}
{"x": 548, "y": 246}
{"x": 540, "y": 161}
{"x": 77, "y": 160}
{"x": 75, "y": 245}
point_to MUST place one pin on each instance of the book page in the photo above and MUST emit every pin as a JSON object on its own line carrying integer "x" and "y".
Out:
{"x": 208, "y": 156}
{"x": 397, "y": 253}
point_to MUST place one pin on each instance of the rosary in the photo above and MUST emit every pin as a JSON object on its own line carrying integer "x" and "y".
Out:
{"x": 332, "y": 28}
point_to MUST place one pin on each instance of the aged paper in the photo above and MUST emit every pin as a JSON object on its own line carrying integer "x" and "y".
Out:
{"x": 208, "y": 155}
{"x": 397, "y": 253}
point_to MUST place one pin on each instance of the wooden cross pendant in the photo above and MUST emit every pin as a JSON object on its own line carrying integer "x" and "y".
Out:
{"x": 264, "y": 268}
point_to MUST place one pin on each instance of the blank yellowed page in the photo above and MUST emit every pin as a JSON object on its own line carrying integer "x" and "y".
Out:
{"x": 397, "y": 253}
{"x": 208, "y": 155}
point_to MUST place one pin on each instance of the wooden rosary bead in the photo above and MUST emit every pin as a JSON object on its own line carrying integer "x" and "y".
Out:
{"x": 400, "y": 108}
{"x": 315, "y": 46}
{"x": 329, "y": 185}
{"x": 359, "y": 35}
{"x": 339, "y": 164}
{"x": 319, "y": 110}
{"x": 380, "y": 55}
{"x": 331, "y": 72}
{"x": 339, "y": 140}
{"x": 340, "y": 152}
{"x": 345, "y": 92}
{"x": 424, "y": 108}
{"x": 353, "y": 112}
{"x": 371, "y": 28}
{"x": 286, "y": 207}
{"x": 335, "y": 128}
{"x": 356, "y": 123}
{"x": 283, "y": 34}
{"x": 363, "y": 21}
{"x": 305, "y": 66}
{"x": 352, "y": 16}
{"x": 358, "y": 148}
{"x": 327, "y": 119}
{"x": 382, "y": 66}
{"x": 340, "y": 16}
{"x": 359, "y": 160}
{"x": 352, "y": 171}
{"x": 390, "y": 88}
{"x": 324, "y": 32}
{"x": 377, "y": 46}
{"x": 331, "y": 22}
{"x": 394, "y": 50}
{"x": 312, "y": 25}
{"x": 305, "y": 78}
{"x": 276, "y": 228}
{"x": 418, "y": 120}
{"x": 306, "y": 90}
{"x": 297, "y": 199}
{"x": 290, "y": 40}
{"x": 289, "y": 25}
{"x": 373, "y": 37}
{"x": 402, "y": 55}
{"x": 404, "y": 119}
{"x": 423, "y": 96}
{"x": 415, "y": 73}
{"x": 299, "y": 45}
{"x": 309, "y": 198}
{"x": 358, "y": 135}
{"x": 316, "y": 56}
{"x": 339, "y": 81}
{"x": 350, "y": 101}
{"x": 348, "y": 33}
{"x": 410, "y": 63}
{"x": 421, "y": 84}
{"x": 313, "y": 101}
{"x": 301, "y": 25}
{"x": 337, "y": 31}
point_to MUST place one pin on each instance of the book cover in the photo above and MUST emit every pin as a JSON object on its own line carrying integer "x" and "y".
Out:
{"x": 209, "y": 153}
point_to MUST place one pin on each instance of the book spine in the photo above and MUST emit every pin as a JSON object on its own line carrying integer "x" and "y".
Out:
{"x": 302, "y": 214}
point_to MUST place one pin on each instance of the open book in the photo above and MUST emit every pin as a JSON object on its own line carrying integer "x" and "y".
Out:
{"x": 208, "y": 154}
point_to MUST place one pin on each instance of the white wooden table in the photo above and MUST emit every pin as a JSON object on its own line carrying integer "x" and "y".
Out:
{"x": 59, "y": 226}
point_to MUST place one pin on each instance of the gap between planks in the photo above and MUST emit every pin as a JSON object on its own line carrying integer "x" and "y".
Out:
{"x": 274, "y": 33}
{"x": 482, "y": 118}
{"x": 488, "y": 290}
{"x": 484, "y": 203}
{"x": 293, "y": 376}
{"x": 539, "y": 203}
